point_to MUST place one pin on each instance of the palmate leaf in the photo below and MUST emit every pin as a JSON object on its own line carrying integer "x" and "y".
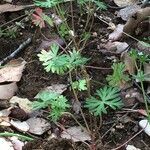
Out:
{"x": 107, "y": 97}
{"x": 47, "y": 3}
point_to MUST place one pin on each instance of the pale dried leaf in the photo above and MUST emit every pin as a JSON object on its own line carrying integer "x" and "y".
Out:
{"x": 4, "y": 121}
{"x": 5, "y": 144}
{"x": 127, "y": 12}
{"x": 129, "y": 63}
{"x": 21, "y": 126}
{"x": 47, "y": 44}
{"x": 23, "y": 103}
{"x": 12, "y": 72}
{"x": 116, "y": 35}
{"x": 76, "y": 134}
{"x": 17, "y": 144}
{"x": 131, "y": 147}
{"x": 122, "y": 3}
{"x": 5, "y": 112}
{"x": 57, "y": 88}
{"x": 12, "y": 8}
{"x": 38, "y": 125}
{"x": 147, "y": 71}
{"x": 8, "y": 90}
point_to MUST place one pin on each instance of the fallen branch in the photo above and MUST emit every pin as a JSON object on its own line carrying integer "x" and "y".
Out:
{"x": 22, "y": 46}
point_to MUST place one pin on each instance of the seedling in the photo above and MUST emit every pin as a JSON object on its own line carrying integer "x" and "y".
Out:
{"x": 118, "y": 77}
{"x": 60, "y": 63}
{"x": 79, "y": 85}
{"x": 105, "y": 97}
{"x": 56, "y": 102}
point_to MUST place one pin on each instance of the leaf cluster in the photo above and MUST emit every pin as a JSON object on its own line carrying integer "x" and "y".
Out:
{"x": 118, "y": 76}
{"x": 60, "y": 63}
{"x": 56, "y": 102}
{"x": 79, "y": 85}
{"x": 105, "y": 97}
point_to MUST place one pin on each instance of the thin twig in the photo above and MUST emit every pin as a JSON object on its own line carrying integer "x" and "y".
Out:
{"x": 22, "y": 46}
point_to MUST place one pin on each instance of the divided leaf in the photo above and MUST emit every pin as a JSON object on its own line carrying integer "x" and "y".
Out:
{"x": 107, "y": 97}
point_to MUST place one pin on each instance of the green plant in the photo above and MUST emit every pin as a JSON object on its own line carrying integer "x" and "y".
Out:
{"x": 9, "y": 32}
{"x": 105, "y": 97}
{"x": 118, "y": 77}
{"x": 79, "y": 85}
{"x": 56, "y": 102}
{"x": 60, "y": 63}
{"x": 141, "y": 77}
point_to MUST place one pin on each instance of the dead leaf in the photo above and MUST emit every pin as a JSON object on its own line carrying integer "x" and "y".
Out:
{"x": 135, "y": 19}
{"x": 38, "y": 125}
{"x": 5, "y": 144}
{"x": 57, "y": 88}
{"x": 23, "y": 103}
{"x": 76, "y": 106}
{"x": 8, "y": 90}
{"x": 76, "y": 134}
{"x": 4, "y": 121}
{"x": 21, "y": 126}
{"x": 119, "y": 47}
{"x": 12, "y": 72}
{"x": 147, "y": 71}
{"x": 11, "y": 8}
{"x": 128, "y": 11}
{"x": 46, "y": 44}
{"x": 17, "y": 144}
{"x": 129, "y": 63}
{"x": 131, "y": 147}
{"x": 116, "y": 35}
{"x": 5, "y": 112}
{"x": 122, "y": 3}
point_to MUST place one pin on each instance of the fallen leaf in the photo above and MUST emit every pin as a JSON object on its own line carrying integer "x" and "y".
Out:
{"x": 5, "y": 144}
{"x": 119, "y": 47}
{"x": 21, "y": 126}
{"x": 129, "y": 63}
{"x": 5, "y": 112}
{"x": 144, "y": 124}
{"x": 131, "y": 147}
{"x": 147, "y": 71}
{"x": 46, "y": 44}
{"x": 135, "y": 19}
{"x": 38, "y": 125}
{"x": 122, "y": 3}
{"x": 76, "y": 134}
{"x": 12, "y": 8}
{"x": 116, "y": 35}
{"x": 128, "y": 11}
{"x": 56, "y": 88}
{"x": 17, "y": 144}
{"x": 12, "y": 71}
{"x": 4, "y": 121}
{"x": 23, "y": 103}
{"x": 8, "y": 90}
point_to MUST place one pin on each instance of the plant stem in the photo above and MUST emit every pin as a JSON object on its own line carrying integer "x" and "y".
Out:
{"x": 7, "y": 134}
{"x": 145, "y": 100}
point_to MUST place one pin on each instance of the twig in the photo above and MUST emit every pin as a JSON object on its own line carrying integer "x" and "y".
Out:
{"x": 130, "y": 139}
{"x": 100, "y": 68}
{"x": 22, "y": 46}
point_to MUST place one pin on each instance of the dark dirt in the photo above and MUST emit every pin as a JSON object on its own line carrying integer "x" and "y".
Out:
{"x": 35, "y": 78}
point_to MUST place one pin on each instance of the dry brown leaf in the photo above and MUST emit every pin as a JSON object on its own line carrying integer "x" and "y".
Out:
{"x": 116, "y": 35}
{"x": 12, "y": 8}
{"x": 21, "y": 126}
{"x": 76, "y": 134}
{"x": 127, "y": 12}
{"x": 135, "y": 19}
{"x": 12, "y": 72}
{"x": 38, "y": 125}
{"x": 129, "y": 63}
{"x": 23, "y": 103}
{"x": 122, "y": 3}
{"x": 5, "y": 144}
{"x": 17, "y": 144}
{"x": 8, "y": 90}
